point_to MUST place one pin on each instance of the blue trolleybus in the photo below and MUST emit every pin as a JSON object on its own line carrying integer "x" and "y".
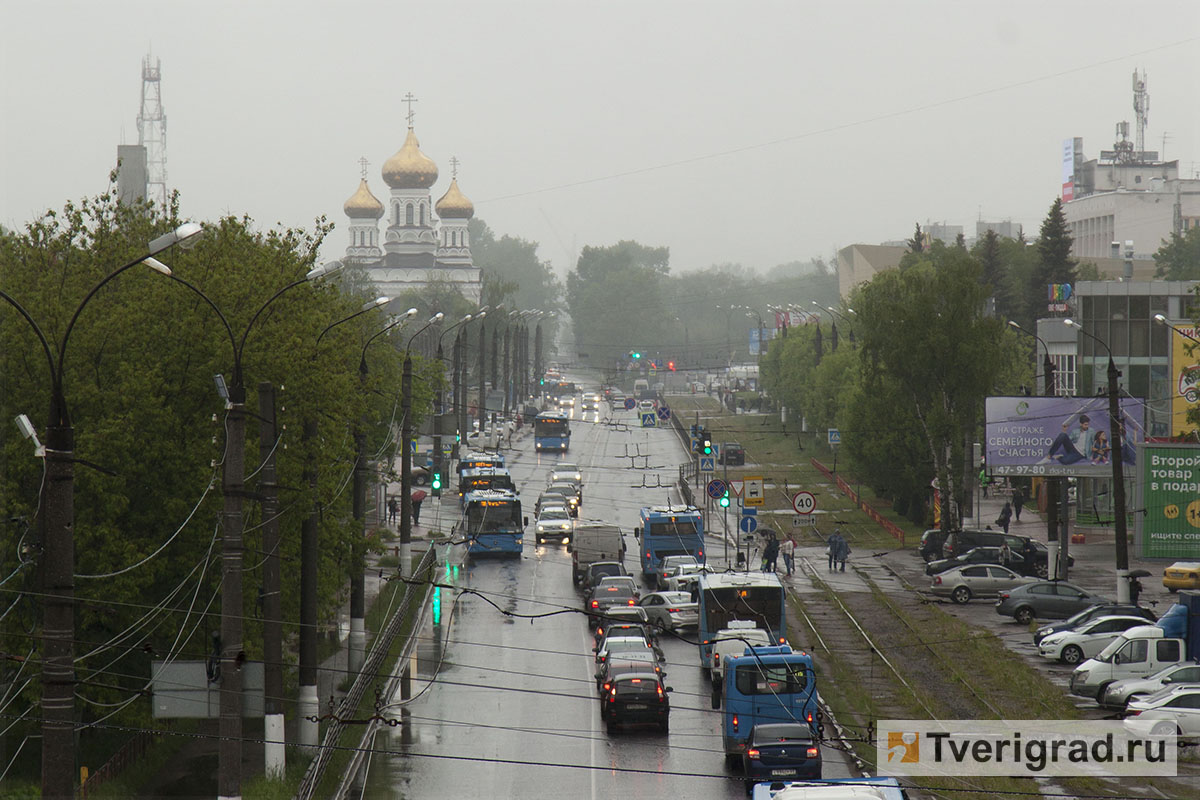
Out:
{"x": 492, "y": 524}
{"x": 551, "y": 431}
{"x": 482, "y": 478}
{"x": 669, "y": 531}
{"x": 726, "y": 596}
{"x": 766, "y": 685}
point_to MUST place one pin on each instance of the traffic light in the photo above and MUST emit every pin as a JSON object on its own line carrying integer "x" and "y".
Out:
{"x": 671, "y": 366}
{"x": 706, "y": 448}
{"x": 435, "y": 483}
{"x": 725, "y": 499}
{"x": 636, "y": 354}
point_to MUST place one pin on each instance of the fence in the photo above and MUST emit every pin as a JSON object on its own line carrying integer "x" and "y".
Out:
{"x": 129, "y": 754}
{"x": 895, "y": 530}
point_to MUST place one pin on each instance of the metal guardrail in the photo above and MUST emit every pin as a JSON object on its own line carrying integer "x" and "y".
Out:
{"x": 370, "y": 668}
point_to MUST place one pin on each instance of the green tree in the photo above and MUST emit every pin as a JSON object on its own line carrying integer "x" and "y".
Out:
{"x": 1054, "y": 264}
{"x": 917, "y": 243}
{"x": 615, "y": 298}
{"x": 515, "y": 260}
{"x": 1179, "y": 258}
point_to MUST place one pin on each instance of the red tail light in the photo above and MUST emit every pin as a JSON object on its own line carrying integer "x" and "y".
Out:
{"x": 937, "y": 580}
{"x": 647, "y": 554}
{"x": 813, "y": 752}
{"x": 672, "y": 610}
{"x": 1004, "y": 595}
{"x": 716, "y": 657}
{"x": 701, "y": 554}
{"x": 595, "y": 604}
{"x": 631, "y": 601}
{"x": 660, "y": 692}
{"x": 810, "y": 716}
{"x": 782, "y": 640}
{"x": 752, "y": 752}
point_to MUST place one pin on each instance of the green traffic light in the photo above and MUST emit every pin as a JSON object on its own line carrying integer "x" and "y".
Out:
{"x": 725, "y": 499}
{"x": 707, "y": 447}
{"x": 637, "y": 355}
{"x": 436, "y": 482}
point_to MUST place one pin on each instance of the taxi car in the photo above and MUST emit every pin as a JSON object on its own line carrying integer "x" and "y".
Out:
{"x": 1182, "y": 575}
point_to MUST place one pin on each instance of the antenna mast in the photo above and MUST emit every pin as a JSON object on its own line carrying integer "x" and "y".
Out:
{"x": 1141, "y": 108}
{"x": 152, "y": 132}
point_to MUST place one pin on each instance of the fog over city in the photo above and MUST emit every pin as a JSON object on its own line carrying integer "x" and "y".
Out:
{"x": 757, "y": 133}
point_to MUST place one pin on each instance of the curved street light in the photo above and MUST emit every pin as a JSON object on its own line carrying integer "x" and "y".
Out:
{"x": 58, "y": 543}
{"x": 1118, "y": 471}
{"x": 1162, "y": 320}
{"x": 406, "y": 427}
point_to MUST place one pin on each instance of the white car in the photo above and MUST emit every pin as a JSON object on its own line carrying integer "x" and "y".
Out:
{"x": 1119, "y": 693}
{"x": 1073, "y": 647}
{"x": 731, "y": 642}
{"x": 1175, "y": 709}
{"x": 565, "y": 471}
{"x": 684, "y": 576}
{"x": 554, "y": 524}
{"x": 647, "y": 407}
{"x": 671, "y": 610}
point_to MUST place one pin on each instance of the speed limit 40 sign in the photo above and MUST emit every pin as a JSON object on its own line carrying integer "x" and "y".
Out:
{"x": 804, "y": 502}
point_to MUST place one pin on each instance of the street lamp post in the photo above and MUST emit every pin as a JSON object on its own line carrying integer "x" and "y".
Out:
{"x": 438, "y": 459}
{"x": 307, "y": 701}
{"x": 1162, "y": 320}
{"x": 229, "y": 748}
{"x": 845, "y": 319}
{"x": 406, "y": 428}
{"x": 1056, "y": 536}
{"x": 1118, "y": 468}
{"x": 58, "y": 541}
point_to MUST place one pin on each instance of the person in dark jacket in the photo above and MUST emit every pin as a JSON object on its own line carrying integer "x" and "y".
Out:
{"x": 1018, "y": 502}
{"x": 1005, "y": 517}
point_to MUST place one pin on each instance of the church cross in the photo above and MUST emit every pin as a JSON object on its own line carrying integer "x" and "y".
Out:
{"x": 409, "y": 99}
{"x": 362, "y": 162}
{"x": 454, "y": 162}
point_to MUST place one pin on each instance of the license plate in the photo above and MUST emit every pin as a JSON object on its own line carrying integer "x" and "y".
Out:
{"x": 782, "y": 773}
{"x": 640, "y": 707}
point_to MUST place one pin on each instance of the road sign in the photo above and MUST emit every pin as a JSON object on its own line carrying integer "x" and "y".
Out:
{"x": 735, "y": 487}
{"x": 648, "y": 419}
{"x": 664, "y": 413}
{"x": 716, "y": 489}
{"x": 748, "y": 524}
{"x": 695, "y": 445}
{"x": 750, "y": 512}
{"x": 804, "y": 502}
{"x": 716, "y": 450}
{"x": 653, "y": 370}
{"x": 707, "y": 464}
{"x": 630, "y": 403}
{"x": 803, "y": 520}
{"x": 753, "y": 494}
{"x": 835, "y": 436}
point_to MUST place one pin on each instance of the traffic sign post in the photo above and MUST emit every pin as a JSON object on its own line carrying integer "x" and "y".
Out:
{"x": 715, "y": 488}
{"x": 748, "y": 524}
{"x": 707, "y": 465}
{"x": 630, "y": 403}
{"x": 753, "y": 492}
{"x": 835, "y": 436}
{"x": 803, "y": 520}
{"x": 664, "y": 413}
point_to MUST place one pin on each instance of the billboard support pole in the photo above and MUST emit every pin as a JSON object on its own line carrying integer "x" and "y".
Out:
{"x": 1118, "y": 468}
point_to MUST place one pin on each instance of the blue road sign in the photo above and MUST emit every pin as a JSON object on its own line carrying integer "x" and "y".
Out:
{"x": 835, "y": 436}
{"x": 716, "y": 489}
{"x": 648, "y": 419}
{"x": 664, "y": 413}
{"x": 708, "y": 464}
{"x": 749, "y": 511}
{"x": 748, "y": 524}
{"x": 630, "y": 403}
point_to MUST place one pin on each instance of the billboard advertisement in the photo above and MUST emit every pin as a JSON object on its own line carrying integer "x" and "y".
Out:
{"x": 1058, "y": 435}
{"x": 1185, "y": 377}
{"x": 1169, "y": 492}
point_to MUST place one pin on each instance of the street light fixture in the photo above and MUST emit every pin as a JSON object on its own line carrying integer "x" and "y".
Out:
{"x": 58, "y": 543}
{"x": 1161, "y": 320}
{"x": 1118, "y": 471}
{"x": 406, "y": 428}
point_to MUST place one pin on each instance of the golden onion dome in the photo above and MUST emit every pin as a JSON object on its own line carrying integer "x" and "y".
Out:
{"x": 410, "y": 168}
{"x": 363, "y": 204}
{"x": 454, "y": 204}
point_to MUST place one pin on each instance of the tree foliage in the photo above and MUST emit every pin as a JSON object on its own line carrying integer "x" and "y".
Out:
{"x": 1179, "y": 258}
{"x": 1054, "y": 263}
{"x": 138, "y": 378}
{"x": 615, "y": 298}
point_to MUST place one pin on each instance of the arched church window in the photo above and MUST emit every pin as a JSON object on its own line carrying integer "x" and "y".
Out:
{"x": 408, "y": 214}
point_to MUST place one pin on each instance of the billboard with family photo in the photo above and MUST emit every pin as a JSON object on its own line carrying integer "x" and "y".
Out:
{"x": 1059, "y": 435}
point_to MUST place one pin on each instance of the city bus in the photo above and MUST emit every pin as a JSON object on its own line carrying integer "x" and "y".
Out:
{"x": 551, "y": 431}
{"x": 492, "y": 524}
{"x": 766, "y": 685}
{"x": 669, "y": 531}
{"x": 477, "y": 460}
{"x": 481, "y": 478}
{"x": 726, "y": 596}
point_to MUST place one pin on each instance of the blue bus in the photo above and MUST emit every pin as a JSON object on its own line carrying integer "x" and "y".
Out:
{"x": 477, "y": 460}
{"x": 766, "y": 685}
{"x": 484, "y": 478}
{"x": 551, "y": 431}
{"x": 727, "y": 596}
{"x": 669, "y": 531}
{"x": 492, "y": 524}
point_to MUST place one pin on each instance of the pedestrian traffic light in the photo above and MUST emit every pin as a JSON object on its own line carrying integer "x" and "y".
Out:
{"x": 435, "y": 483}
{"x": 725, "y": 499}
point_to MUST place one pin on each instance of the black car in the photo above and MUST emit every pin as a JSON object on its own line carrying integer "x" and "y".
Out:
{"x": 977, "y": 555}
{"x": 782, "y": 751}
{"x": 732, "y": 454}
{"x": 620, "y": 615}
{"x": 601, "y": 569}
{"x": 959, "y": 542}
{"x": 931, "y": 544}
{"x": 1089, "y": 614}
{"x": 636, "y": 698}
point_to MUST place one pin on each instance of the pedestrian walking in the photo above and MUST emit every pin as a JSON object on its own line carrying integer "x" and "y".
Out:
{"x": 832, "y": 549}
{"x": 1018, "y": 501}
{"x": 771, "y": 554}
{"x": 1135, "y": 590}
{"x": 984, "y": 481}
{"x": 843, "y": 552}
{"x": 1006, "y": 554}
{"x": 788, "y": 550}
{"x": 417, "y": 497}
{"x": 392, "y": 509}
{"x": 1005, "y": 516}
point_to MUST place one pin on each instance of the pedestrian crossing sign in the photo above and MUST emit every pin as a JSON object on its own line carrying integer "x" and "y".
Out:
{"x": 649, "y": 420}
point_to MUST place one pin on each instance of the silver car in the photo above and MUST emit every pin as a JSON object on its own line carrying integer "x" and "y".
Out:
{"x": 671, "y": 610}
{"x": 1119, "y": 693}
{"x": 960, "y": 584}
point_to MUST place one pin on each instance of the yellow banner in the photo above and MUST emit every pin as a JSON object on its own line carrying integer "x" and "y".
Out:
{"x": 1185, "y": 378}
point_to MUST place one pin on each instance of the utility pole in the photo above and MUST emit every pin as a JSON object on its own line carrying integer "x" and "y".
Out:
{"x": 308, "y": 703}
{"x": 268, "y": 489}
{"x": 539, "y": 366}
{"x": 507, "y": 370}
{"x": 482, "y": 377}
{"x": 229, "y": 748}
{"x": 460, "y": 405}
{"x": 358, "y": 602}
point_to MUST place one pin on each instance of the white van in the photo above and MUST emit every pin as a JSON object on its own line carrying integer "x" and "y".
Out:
{"x": 594, "y": 541}
{"x": 732, "y": 642}
{"x": 1138, "y": 652}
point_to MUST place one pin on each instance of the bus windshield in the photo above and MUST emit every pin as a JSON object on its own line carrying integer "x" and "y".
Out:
{"x": 673, "y": 527}
{"x": 755, "y": 678}
{"x": 762, "y": 604}
{"x": 555, "y": 426}
{"x": 494, "y": 516}
{"x": 475, "y": 483}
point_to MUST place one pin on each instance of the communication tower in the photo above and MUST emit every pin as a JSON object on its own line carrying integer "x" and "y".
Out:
{"x": 152, "y": 132}
{"x": 1141, "y": 108}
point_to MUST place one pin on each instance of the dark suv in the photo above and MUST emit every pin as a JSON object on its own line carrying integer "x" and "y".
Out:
{"x": 960, "y": 542}
{"x": 636, "y": 697}
{"x": 732, "y": 454}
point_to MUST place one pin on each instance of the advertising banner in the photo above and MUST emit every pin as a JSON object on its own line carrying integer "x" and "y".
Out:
{"x": 1058, "y": 435}
{"x": 1185, "y": 378}
{"x": 1169, "y": 488}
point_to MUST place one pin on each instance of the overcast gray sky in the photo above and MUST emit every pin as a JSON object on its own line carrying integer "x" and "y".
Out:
{"x": 751, "y": 132}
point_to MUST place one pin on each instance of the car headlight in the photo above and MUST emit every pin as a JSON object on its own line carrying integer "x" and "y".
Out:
{"x": 566, "y": 526}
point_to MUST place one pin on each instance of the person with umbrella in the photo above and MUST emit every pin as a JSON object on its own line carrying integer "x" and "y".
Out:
{"x": 417, "y": 497}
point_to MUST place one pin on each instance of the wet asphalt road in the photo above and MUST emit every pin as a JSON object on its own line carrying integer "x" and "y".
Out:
{"x": 507, "y": 707}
